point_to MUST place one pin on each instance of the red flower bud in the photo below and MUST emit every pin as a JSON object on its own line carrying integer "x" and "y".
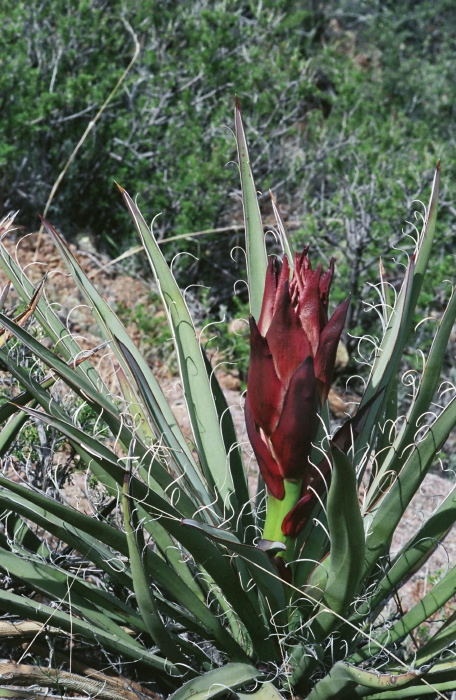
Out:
{"x": 292, "y": 354}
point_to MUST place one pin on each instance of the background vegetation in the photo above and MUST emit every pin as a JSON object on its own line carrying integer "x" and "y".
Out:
{"x": 348, "y": 105}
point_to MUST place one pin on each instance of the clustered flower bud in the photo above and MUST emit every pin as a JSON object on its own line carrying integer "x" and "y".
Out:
{"x": 292, "y": 355}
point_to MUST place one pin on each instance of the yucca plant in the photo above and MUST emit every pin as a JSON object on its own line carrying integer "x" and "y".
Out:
{"x": 179, "y": 581}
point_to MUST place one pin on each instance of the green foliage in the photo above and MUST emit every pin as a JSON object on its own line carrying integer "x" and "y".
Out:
{"x": 164, "y": 133}
{"x": 382, "y": 76}
{"x": 157, "y": 573}
{"x": 154, "y": 333}
{"x": 228, "y": 339}
{"x": 28, "y": 440}
{"x": 357, "y": 98}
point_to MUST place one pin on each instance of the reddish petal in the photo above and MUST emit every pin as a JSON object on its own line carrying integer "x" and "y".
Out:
{"x": 297, "y": 518}
{"x": 302, "y": 263}
{"x": 325, "y": 286}
{"x": 266, "y": 392}
{"x": 269, "y": 296}
{"x": 326, "y": 354}
{"x": 317, "y": 482}
{"x": 292, "y": 439}
{"x": 268, "y": 466}
{"x": 298, "y": 281}
{"x": 286, "y": 338}
{"x": 309, "y": 307}
{"x": 284, "y": 277}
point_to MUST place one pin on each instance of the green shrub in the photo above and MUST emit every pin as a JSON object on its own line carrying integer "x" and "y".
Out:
{"x": 356, "y": 97}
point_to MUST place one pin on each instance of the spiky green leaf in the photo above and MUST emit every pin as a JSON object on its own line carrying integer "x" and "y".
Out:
{"x": 219, "y": 682}
{"x": 254, "y": 236}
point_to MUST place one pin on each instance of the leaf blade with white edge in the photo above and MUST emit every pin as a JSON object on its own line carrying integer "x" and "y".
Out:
{"x": 87, "y": 535}
{"x": 386, "y": 363}
{"x": 197, "y": 391}
{"x": 87, "y": 600}
{"x": 385, "y": 367}
{"x": 217, "y": 682}
{"x": 142, "y": 584}
{"x": 412, "y": 555}
{"x": 212, "y": 559}
{"x": 435, "y": 599}
{"x": 106, "y": 460}
{"x": 259, "y": 565}
{"x": 82, "y": 532}
{"x": 246, "y": 525}
{"x": 47, "y": 318}
{"x": 254, "y": 236}
{"x": 347, "y": 539}
{"x": 344, "y": 680}
{"x": 86, "y": 390}
{"x": 400, "y": 327}
{"x": 397, "y": 454}
{"x": 185, "y": 465}
{"x": 441, "y": 641}
{"x": 112, "y": 328}
{"x": 284, "y": 237}
{"x": 30, "y": 609}
{"x": 383, "y": 518}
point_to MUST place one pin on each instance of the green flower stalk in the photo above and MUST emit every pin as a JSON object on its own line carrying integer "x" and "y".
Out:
{"x": 292, "y": 354}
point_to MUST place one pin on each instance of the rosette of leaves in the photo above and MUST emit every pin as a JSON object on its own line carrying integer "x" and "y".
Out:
{"x": 165, "y": 583}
